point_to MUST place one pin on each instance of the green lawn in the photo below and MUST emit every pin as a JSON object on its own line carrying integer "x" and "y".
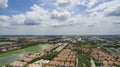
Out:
{"x": 28, "y": 49}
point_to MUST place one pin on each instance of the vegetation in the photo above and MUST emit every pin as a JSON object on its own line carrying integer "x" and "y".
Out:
{"x": 29, "y": 44}
{"x": 24, "y": 45}
{"x": 86, "y": 44}
{"x": 21, "y": 51}
{"x": 28, "y": 49}
{"x": 50, "y": 55}
{"x": 112, "y": 46}
{"x": 104, "y": 50}
{"x": 83, "y": 60}
{"x": 5, "y": 40}
{"x": 117, "y": 66}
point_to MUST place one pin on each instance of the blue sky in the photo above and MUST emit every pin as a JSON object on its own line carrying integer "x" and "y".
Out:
{"x": 59, "y": 17}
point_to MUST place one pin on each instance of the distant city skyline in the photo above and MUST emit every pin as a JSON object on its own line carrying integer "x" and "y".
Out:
{"x": 59, "y": 17}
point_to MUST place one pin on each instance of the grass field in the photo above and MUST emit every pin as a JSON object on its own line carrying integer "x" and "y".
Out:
{"x": 27, "y": 50}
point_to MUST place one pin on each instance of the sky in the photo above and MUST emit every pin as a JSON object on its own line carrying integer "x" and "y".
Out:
{"x": 59, "y": 17}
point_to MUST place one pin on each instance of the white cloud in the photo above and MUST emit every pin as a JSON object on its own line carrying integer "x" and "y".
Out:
{"x": 61, "y": 16}
{"x": 94, "y": 13}
{"x": 105, "y": 11}
{"x": 89, "y": 3}
{"x": 82, "y": 2}
{"x": 4, "y": 20}
{"x": 66, "y": 3}
{"x": 3, "y": 3}
{"x": 114, "y": 20}
{"x": 92, "y": 3}
{"x": 105, "y": 6}
{"x": 114, "y": 11}
{"x": 18, "y": 19}
{"x": 63, "y": 3}
{"x": 34, "y": 17}
{"x": 41, "y": 16}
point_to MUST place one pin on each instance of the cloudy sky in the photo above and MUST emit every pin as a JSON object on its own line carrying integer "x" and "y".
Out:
{"x": 59, "y": 17}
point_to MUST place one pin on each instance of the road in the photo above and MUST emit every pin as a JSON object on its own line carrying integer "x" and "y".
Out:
{"x": 92, "y": 63}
